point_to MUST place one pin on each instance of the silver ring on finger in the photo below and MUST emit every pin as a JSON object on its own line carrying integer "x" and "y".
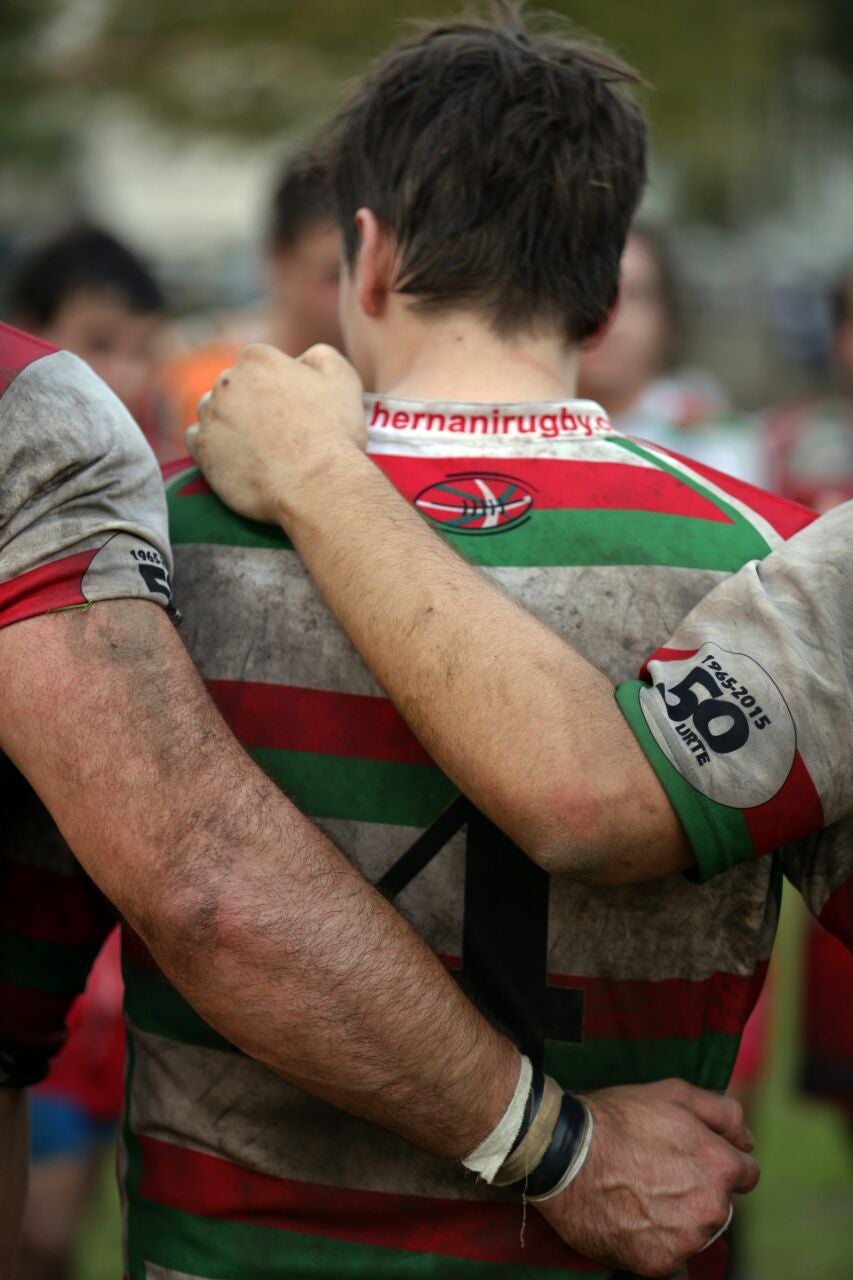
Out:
{"x": 721, "y": 1231}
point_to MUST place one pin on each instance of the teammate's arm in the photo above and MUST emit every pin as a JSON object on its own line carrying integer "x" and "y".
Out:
{"x": 288, "y": 952}
{"x": 263, "y": 925}
{"x": 13, "y": 1173}
{"x": 253, "y": 914}
{"x": 525, "y": 726}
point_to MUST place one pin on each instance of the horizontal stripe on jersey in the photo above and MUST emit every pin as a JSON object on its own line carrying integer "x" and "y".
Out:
{"x": 680, "y": 522}
{"x": 289, "y": 718}
{"x": 209, "y": 1187}
{"x": 222, "y": 1250}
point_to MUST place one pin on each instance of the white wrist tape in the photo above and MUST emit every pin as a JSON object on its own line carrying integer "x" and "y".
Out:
{"x": 488, "y": 1157}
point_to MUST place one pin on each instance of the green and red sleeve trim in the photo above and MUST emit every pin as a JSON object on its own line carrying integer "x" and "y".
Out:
{"x": 717, "y": 834}
{"x": 723, "y": 835}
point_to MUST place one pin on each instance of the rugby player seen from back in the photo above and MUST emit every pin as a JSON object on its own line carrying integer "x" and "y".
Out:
{"x": 254, "y": 914}
{"x": 478, "y": 257}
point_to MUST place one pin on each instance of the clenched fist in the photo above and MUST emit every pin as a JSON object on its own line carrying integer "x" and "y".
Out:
{"x": 657, "y": 1186}
{"x": 268, "y": 418}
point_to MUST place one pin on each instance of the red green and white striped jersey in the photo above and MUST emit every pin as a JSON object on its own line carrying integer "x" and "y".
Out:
{"x": 230, "y": 1172}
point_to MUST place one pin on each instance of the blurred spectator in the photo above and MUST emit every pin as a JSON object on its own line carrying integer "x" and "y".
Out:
{"x": 302, "y": 268}
{"x": 810, "y": 446}
{"x": 633, "y": 371}
{"x": 89, "y": 293}
{"x": 827, "y": 1043}
{"x": 75, "y": 1115}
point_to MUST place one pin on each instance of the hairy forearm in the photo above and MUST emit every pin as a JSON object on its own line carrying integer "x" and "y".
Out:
{"x": 13, "y": 1173}
{"x": 559, "y": 769}
{"x": 256, "y": 918}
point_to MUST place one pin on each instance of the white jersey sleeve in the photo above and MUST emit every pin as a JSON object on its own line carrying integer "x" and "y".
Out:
{"x": 82, "y": 509}
{"x": 746, "y": 714}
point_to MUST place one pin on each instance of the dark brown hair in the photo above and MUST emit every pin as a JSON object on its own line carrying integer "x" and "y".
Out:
{"x": 81, "y": 258}
{"x": 507, "y": 162}
{"x": 301, "y": 202}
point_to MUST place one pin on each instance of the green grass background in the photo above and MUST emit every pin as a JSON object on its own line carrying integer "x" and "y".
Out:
{"x": 798, "y": 1224}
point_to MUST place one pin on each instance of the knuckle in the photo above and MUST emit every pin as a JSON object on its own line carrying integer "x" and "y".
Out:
{"x": 254, "y": 351}
{"x": 718, "y": 1213}
{"x": 735, "y": 1111}
{"x": 677, "y": 1090}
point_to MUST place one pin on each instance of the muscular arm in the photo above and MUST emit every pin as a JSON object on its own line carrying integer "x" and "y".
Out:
{"x": 406, "y": 601}
{"x": 13, "y": 1173}
{"x": 283, "y": 947}
{"x": 259, "y": 921}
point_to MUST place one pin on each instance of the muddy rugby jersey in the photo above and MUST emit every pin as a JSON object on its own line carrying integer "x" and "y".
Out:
{"x": 82, "y": 519}
{"x": 230, "y": 1172}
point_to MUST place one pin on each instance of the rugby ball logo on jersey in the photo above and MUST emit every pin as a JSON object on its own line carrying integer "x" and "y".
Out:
{"x": 477, "y": 502}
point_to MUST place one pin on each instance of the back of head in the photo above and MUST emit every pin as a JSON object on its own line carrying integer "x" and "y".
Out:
{"x": 83, "y": 259}
{"x": 87, "y": 292}
{"x": 303, "y": 257}
{"x": 506, "y": 160}
{"x": 301, "y": 202}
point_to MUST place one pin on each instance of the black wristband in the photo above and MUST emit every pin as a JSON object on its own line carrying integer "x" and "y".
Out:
{"x": 562, "y": 1149}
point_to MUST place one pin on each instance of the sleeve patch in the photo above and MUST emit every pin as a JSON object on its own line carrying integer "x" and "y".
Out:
{"x": 722, "y": 722}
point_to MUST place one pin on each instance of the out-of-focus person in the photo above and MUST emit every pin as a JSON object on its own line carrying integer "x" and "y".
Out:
{"x": 90, "y": 294}
{"x": 810, "y": 459}
{"x": 826, "y": 1051}
{"x": 74, "y": 1116}
{"x": 633, "y": 370}
{"x": 301, "y": 272}
{"x": 810, "y": 446}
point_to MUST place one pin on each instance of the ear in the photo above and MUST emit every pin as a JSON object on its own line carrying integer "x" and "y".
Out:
{"x": 374, "y": 266}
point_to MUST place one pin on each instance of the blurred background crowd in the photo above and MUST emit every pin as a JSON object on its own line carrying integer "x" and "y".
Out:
{"x": 160, "y": 207}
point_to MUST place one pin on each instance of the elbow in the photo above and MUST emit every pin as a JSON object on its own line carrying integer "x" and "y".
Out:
{"x": 187, "y": 925}
{"x": 575, "y": 832}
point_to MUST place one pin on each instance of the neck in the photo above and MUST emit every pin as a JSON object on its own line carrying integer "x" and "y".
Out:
{"x": 458, "y": 357}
